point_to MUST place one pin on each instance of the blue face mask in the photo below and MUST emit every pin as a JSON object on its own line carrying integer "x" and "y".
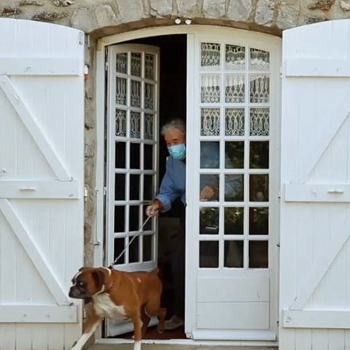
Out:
{"x": 178, "y": 151}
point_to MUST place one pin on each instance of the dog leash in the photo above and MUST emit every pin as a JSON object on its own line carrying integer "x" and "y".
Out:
{"x": 127, "y": 246}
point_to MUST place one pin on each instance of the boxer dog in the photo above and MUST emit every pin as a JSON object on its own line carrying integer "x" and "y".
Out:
{"x": 119, "y": 296}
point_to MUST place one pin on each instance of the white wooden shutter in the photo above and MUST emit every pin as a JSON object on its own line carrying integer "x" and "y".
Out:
{"x": 315, "y": 178}
{"x": 41, "y": 182}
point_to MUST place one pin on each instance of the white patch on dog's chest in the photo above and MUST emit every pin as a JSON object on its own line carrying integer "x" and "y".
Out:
{"x": 105, "y": 307}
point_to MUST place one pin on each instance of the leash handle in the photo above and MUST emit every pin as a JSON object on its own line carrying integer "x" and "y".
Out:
{"x": 127, "y": 246}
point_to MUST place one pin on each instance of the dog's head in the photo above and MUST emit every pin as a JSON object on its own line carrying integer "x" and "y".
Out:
{"x": 88, "y": 282}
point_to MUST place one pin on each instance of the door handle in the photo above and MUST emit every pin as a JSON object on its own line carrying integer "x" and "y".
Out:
{"x": 27, "y": 188}
{"x": 335, "y": 191}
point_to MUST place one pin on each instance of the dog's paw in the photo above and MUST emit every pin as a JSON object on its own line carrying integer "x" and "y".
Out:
{"x": 160, "y": 331}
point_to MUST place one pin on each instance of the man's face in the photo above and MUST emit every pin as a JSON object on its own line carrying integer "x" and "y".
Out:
{"x": 174, "y": 137}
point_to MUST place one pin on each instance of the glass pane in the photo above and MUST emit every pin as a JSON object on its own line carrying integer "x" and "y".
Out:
{"x": 134, "y": 155}
{"x": 149, "y": 66}
{"x": 134, "y": 221}
{"x": 119, "y": 245}
{"x": 234, "y": 219}
{"x": 210, "y": 121}
{"x": 210, "y": 55}
{"x": 211, "y": 181}
{"x": 120, "y": 123}
{"x": 135, "y": 96}
{"x": 234, "y": 188}
{"x": 149, "y": 126}
{"x": 233, "y": 254}
{"x": 258, "y": 221}
{"x": 209, "y": 254}
{"x": 119, "y": 219}
{"x": 120, "y": 97}
{"x": 147, "y": 248}
{"x": 209, "y": 221}
{"x": 134, "y": 187}
{"x": 234, "y": 88}
{"x": 148, "y": 157}
{"x": 259, "y": 188}
{"x": 122, "y": 63}
{"x": 149, "y": 96}
{"x": 134, "y": 247}
{"x": 120, "y": 155}
{"x": 259, "y": 59}
{"x": 135, "y": 127}
{"x": 234, "y": 155}
{"x": 235, "y": 57}
{"x": 210, "y": 155}
{"x": 148, "y": 188}
{"x": 259, "y": 88}
{"x": 258, "y": 254}
{"x": 119, "y": 187}
{"x": 259, "y": 121}
{"x": 234, "y": 122}
{"x": 259, "y": 155}
{"x": 210, "y": 88}
{"x": 136, "y": 64}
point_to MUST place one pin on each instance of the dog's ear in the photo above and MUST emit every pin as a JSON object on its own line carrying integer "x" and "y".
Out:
{"x": 98, "y": 277}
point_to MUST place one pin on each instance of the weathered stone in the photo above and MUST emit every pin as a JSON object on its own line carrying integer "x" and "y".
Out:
{"x": 105, "y": 16}
{"x": 214, "y": 8}
{"x": 314, "y": 19}
{"x": 30, "y": 3}
{"x": 63, "y": 3}
{"x": 239, "y": 10}
{"x": 288, "y": 15}
{"x": 49, "y": 16}
{"x": 345, "y": 6}
{"x": 10, "y": 11}
{"x": 265, "y": 12}
{"x": 161, "y": 8}
{"x": 131, "y": 10}
{"x": 324, "y": 5}
{"x": 84, "y": 19}
{"x": 187, "y": 8}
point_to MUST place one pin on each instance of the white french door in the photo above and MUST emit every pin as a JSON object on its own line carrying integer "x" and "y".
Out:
{"x": 133, "y": 76}
{"x": 232, "y": 125}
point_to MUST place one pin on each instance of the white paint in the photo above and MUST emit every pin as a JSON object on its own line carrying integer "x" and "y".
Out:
{"x": 315, "y": 203}
{"x": 42, "y": 209}
{"x": 105, "y": 307}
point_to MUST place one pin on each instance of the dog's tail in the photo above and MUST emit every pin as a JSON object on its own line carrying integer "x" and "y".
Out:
{"x": 156, "y": 271}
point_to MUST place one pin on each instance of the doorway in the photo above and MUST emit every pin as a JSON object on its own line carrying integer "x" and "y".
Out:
{"x": 150, "y": 90}
{"x": 228, "y": 87}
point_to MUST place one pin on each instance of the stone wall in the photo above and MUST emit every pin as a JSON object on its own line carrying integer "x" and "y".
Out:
{"x": 102, "y": 17}
{"x": 105, "y": 17}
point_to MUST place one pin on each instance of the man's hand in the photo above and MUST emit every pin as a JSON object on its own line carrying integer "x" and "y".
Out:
{"x": 208, "y": 192}
{"x": 154, "y": 208}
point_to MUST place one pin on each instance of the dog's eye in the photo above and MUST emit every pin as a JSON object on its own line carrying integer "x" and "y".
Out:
{"x": 81, "y": 284}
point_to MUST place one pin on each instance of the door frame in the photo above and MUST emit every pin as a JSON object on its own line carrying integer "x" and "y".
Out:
{"x": 98, "y": 239}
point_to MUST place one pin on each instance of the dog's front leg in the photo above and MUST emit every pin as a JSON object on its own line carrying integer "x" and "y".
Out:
{"x": 137, "y": 330}
{"x": 90, "y": 328}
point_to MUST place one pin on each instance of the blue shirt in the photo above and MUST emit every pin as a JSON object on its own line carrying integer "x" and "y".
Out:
{"x": 173, "y": 185}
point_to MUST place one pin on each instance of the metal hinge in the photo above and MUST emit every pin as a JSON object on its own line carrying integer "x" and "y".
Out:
{"x": 281, "y": 73}
{"x": 104, "y": 191}
{"x": 106, "y": 65}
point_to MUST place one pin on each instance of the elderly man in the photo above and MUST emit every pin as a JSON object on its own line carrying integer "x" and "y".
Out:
{"x": 173, "y": 186}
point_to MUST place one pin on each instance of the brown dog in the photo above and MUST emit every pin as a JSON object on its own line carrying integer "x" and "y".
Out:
{"x": 119, "y": 296}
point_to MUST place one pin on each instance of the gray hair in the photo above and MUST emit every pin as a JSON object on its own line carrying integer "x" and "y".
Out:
{"x": 175, "y": 124}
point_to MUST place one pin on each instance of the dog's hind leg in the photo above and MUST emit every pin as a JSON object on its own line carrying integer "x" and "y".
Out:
{"x": 136, "y": 319}
{"x": 153, "y": 308}
{"x": 145, "y": 321}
